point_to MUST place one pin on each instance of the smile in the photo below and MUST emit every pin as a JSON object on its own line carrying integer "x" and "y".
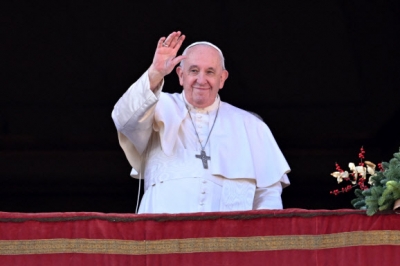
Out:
{"x": 203, "y": 89}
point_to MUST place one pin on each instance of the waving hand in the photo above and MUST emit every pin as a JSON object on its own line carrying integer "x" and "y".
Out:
{"x": 165, "y": 58}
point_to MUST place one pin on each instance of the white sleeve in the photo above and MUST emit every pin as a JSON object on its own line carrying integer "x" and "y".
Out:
{"x": 133, "y": 117}
{"x": 268, "y": 197}
{"x": 133, "y": 114}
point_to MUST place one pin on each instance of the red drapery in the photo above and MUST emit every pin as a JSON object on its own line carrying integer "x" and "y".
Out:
{"x": 268, "y": 237}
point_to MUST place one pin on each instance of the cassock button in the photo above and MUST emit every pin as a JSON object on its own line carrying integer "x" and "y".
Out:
{"x": 201, "y": 203}
{"x": 204, "y": 181}
{"x": 203, "y": 192}
{"x": 161, "y": 181}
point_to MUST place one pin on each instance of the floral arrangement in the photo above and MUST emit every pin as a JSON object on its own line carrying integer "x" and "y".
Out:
{"x": 374, "y": 190}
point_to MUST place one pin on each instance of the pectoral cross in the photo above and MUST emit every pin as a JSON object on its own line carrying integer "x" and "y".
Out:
{"x": 203, "y": 157}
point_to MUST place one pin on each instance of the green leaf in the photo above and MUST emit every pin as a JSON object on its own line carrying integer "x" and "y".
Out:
{"x": 385, "y": 165}
{"x": 376, "y": 192}
{"x": 367, "y": 192}
{"x": 358, "y": 193}
{"x": 371, "y": 211}
{"x": 386, "y": 206}
{"x": 371, "y": 202}
{"x": 359, "y": 204}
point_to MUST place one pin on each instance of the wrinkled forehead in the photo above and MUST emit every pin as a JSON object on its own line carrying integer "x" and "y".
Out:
{"x": 192, "y": 48}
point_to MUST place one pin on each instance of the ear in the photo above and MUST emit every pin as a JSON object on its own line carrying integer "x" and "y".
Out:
{"x": 224, "y": 76}
{"x": 179, "y": 71}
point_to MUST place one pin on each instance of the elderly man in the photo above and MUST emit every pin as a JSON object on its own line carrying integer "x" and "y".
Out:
{"x": 195, "y": 152}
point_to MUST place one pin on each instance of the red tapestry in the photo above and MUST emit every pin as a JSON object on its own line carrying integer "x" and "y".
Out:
{"x": 268, "y": 237}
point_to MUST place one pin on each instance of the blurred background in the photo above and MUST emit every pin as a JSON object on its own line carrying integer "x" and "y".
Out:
{"x": 324, "y": 76}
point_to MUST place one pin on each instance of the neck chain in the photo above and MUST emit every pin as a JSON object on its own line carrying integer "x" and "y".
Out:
{"x": 203, "y": 156}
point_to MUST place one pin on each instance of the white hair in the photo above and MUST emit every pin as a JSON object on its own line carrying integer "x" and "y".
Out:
{"x": 208, "y": 44}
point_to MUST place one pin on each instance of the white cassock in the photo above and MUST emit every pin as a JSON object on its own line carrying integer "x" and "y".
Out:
{"x": 246, "y": 171}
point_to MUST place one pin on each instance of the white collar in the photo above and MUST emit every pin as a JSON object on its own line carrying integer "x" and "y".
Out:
{"x": 207, "y": 109}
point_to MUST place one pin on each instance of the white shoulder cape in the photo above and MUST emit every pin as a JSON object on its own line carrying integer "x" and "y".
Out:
{"x": 241, "y": 145}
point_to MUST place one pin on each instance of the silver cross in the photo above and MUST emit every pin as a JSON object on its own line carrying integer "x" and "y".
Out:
{"x": 203, "y": 157}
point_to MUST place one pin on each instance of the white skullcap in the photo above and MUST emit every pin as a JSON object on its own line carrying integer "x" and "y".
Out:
{"x": 209, "y": 44}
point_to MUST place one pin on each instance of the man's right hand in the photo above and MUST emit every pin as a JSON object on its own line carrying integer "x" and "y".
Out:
{"x": 165, "y": 58}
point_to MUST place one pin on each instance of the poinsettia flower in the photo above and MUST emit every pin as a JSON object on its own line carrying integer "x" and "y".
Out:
{"x": 340, "y": 175}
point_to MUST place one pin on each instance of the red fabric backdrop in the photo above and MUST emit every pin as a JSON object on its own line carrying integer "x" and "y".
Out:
{"x": 284, "y": 237}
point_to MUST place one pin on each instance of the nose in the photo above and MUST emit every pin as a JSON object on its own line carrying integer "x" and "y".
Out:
{"x": 201, "y": 79}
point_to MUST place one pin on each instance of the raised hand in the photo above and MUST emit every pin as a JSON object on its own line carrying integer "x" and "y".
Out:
{"x": 165, "y": 58}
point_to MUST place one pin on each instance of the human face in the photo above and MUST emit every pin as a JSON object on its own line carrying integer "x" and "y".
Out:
{"x": 201, "y": 75}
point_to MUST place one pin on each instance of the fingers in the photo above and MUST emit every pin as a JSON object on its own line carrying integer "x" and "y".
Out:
{"x": 178, "y": 59}
{"x": 160, "y": 42}
{"x": 174, "y": 40}
{"x": 179, "y": 42}
{"x": 165, "y": 58}
{"x": 170, "y": 39}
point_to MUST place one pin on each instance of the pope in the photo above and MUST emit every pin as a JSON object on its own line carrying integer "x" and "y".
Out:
{"x": 195, "y": 152}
